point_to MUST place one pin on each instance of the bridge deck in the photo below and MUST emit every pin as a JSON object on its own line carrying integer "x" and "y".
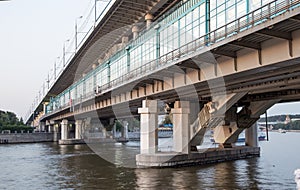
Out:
{"x": 244, "y": 34}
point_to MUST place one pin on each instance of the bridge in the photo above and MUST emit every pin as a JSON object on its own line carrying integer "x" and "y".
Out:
{"x": 209, "y": 64}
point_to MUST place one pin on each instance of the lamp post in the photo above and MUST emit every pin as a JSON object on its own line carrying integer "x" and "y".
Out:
{"x": 95, "y": 11}
{"x": 76, "y": 32}
{"x": 55, "y": 67}
{"x": 33, "y": 119}
{"x": 64, "y": 52}
{"x": 48, "y": 81}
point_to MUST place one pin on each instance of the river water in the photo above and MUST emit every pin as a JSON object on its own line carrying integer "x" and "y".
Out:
{"x": 50, "y": 166}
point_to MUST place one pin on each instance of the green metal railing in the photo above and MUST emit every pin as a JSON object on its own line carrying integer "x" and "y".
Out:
{"x": 246, "y": 22}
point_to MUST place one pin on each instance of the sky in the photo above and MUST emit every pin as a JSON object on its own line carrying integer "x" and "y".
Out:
{"x": 32, "y": 34}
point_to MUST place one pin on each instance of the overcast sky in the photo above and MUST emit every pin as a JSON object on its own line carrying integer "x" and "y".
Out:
{"x": 32, "y": 34}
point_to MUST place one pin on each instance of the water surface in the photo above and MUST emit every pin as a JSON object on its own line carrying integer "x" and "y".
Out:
{"x": 50, "y": 166}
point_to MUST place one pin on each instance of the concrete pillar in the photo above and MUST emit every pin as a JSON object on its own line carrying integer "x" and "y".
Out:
{"x": 251, "y": 136}
{"x": 42, "y": 126}
{"x": 64, "y": 130}
{"x": 78, "y": 129}
{"x": 135, "y": 31}
{"x": 181, "y": 127}
{"x": 115, "y": 130}
{"x": 104, "y": 132}
{"x": 149, "y": 122}
{"x": 50, "y": 128}
{"x": 125, "y": 130}
{"x": 149, "y": 18}
{"x": 55, "y": 133}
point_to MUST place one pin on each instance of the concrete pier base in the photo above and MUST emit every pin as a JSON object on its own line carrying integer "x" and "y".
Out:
{"x": 212, "y": 155}
{"x": 70, "y": 141}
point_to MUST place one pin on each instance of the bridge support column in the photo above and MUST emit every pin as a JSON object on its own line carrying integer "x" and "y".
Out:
{"x": 149, "y": 137}
{"x": 115, "y": 130}
{"x": 50, "y": 128}
{"x": 64, "y": 130}
{"x": 125, "y": 130}
{"x": 181, "y": 139}
{"x": 78, "y": 129}
{"x": 56, "y": 135}
{"x": 42, "y": 126}
{"x": 251, "y": 136}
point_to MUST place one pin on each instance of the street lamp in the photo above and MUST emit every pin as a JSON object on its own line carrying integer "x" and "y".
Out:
{"x": 64, "y": 52}
{"x": 95, "y": 13}
{"x": 76, "y": 32}
{"x": 96, "y": 9}
{"x": 48, "y": 81}
{"x": 55, "y": 67}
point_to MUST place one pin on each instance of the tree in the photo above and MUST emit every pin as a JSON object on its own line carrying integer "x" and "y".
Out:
{"x": 167, "y": 120}
{"x": 10, "y": 121}
{"x": 21, "y": 122}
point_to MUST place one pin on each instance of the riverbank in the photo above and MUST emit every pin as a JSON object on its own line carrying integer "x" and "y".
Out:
{"x": 14, "y": 138}
{"x": 291, "y": 131}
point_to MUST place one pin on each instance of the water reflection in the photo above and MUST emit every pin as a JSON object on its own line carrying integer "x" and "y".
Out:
{"x": 116, "y": 153}
{"x": 225, "y": 175}
{"x": 50, "y": 166}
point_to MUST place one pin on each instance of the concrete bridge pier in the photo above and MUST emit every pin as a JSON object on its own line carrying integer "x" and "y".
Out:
{"x": 50, "y": 128}
{"x": 149, "y": 122}
{"x": 181, "y": 123}
{"x": 251, "y": 138}
{"x": 115, "y": 130}
{"x": 125, "y": 130}
{"x": 78, "y": 129}
{"x": 56, "y": 133}
{"x": 64, "y": 129}
{"x": 226, "y": 132}
{"x": 67, "y": 136}
{"x": 42, "y": 126}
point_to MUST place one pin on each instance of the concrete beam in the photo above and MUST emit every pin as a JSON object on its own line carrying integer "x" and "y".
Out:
{"x": 249, "y": 45}
{"x": 275, "y": 34}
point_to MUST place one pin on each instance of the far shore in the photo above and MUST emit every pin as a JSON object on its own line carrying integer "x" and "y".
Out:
{"x": 296, "y": 131}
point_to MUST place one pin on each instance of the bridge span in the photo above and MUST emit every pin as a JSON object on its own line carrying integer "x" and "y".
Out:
{"x": 210, "y": 65}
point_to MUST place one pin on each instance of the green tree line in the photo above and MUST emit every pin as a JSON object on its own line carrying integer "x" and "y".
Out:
{"x": 10, "y": 121}
{"x": 294, "y": 125}
{"x": 277, "y": 118}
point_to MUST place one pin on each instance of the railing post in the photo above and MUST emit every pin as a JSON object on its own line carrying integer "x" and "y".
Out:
{"x": 252, "y": 22}
{"x": 269, "y": 11}
{"x": 157, "y": 43}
